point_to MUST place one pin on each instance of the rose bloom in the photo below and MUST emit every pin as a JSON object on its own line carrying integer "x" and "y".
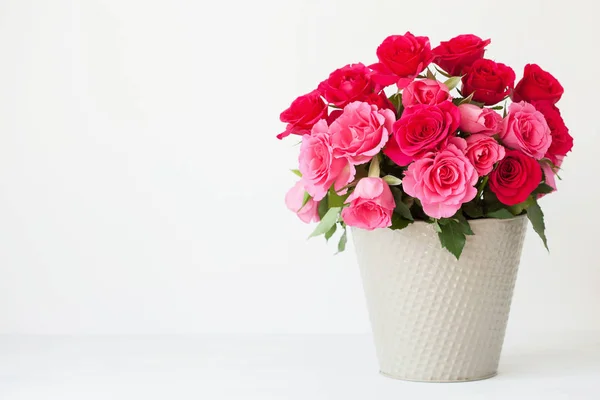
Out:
{"x": 347, "y": 84}
{"x": 426, "y": 91}
{"x": 371, "y": 205}
{"x": 515, "y": 177}
{"x": 304, "y": 112}
{"x": 294, "y": 199}
{"x": 361, "y": 131}
{"x": 483, "y": 152}
{"x": 537, "y": 85}
{"x": 459, "y": 52}
{"x": 562, "y": 142}
{"x": 401, "y": 58}
{"x": 526, "y": 129}
{"x": 319, "y": 168}
{"x": 422, "y": 128}
{"x": 489, "y": 81}
{"x": 474, "y": 119}
{"x": 442, "y": 181}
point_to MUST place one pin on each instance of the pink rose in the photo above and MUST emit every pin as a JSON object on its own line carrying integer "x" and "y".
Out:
{"x": 361, "y": 131}
{"x": 347, "y": 84}
{"x": 319, "y": 168}
{"x": 302, "y": 114}
{"x": 421, "y": 129}
{"x": 526, "y": 129}
{"x": 371, "y": 205}
{"x": 294, "y": 199}
{"x": 442, "y": 181}
{"x": 483, "y": 152}
{"x": 426, "y": 91}
{"x": 548, "y": 176}
{"x": 474, "y": 119}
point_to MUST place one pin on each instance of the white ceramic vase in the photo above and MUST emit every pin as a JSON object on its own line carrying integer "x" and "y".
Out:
{"x": 434, "y": 318}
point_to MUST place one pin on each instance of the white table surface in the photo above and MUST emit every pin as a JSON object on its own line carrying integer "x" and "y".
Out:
{"x": 543, "y": 366}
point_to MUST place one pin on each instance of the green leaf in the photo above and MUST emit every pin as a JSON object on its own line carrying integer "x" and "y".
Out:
{"x": 518, "y": 208}
{"x": 328, "y": 220}
{"x": 323, "y": 207}
{"x": 398, "y": 222}
{"x": 452, "y": 238}
{"x": 342, "y": 242}
{"x": 330, "y": 232}
{"x": 334, "y": 199}
{"x": 467, "y": 99}
{"x": 392, "y": 180}
{"x": 497, "y": 108}
{"x": 374, "y": 170}
{"x": 430, "y": 75}
{"x": 396, "y": 100}
{"x": 536, "y": 216}
{"x": 436, "y": 226}
{"x": 502, "y": 213}
{"x": 473, "y": 210}
{"x": 297, "y": 172}
{"x": 305, "y": 200}
{"x": 453, "y": 82}
{"x": 444, "y": 73}
{"x": 402, "y": 208}
{"x": 543, "y": 188}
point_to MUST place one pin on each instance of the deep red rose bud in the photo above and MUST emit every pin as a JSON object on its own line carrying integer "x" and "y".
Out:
{"x": 537, "y": 85}
{"x": 489, "y": 81}
{"x": 562, "y": 141}
{"x": 459, "y": 52}
{"x": 302, "y": 114}
{"x": 347, "y": 84}
{"x": 515, "y": 178}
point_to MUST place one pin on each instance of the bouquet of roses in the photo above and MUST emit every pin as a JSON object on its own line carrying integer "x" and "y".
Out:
{"x": 370, "y": 160}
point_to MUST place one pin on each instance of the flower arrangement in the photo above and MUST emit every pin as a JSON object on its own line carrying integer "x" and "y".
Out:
{"x": 441, "y": 151}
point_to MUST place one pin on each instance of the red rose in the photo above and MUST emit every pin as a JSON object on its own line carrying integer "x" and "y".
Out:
{"x": 459, "y": 52}
{"x": 515, "y": 177}
{"x": 347, "y": 84}
{"x": 401, "y": 58}
{"x": 304, "y": 112}
{"x": 381, "y": 101}
{"x": 488, "y": 80}
{"x": 422, "y": 128}
{"x": 562, "y": 141}
{"x": 537, "y": 85}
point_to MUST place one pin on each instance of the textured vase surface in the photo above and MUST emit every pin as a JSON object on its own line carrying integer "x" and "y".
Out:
{"x": 435, "y": 318}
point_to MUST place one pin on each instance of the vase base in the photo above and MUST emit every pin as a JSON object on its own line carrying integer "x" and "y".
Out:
{"x": 400, "y": 378}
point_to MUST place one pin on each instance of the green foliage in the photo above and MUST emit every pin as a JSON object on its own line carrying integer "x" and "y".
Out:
{"x": 327, "y": 222}
{"x": 374, "y": 170}
{"x": 517, "y": 209}
{"x": 392, "y": 180}
{"x": 330, "y": 232}
{"x": 334, "y": 199}
{"x": 305, "y": 200}
{"x": 396, "y": 100}
{"x": 444, "y": 73}
{"x": 536, "y": 216}
{"x": 402, "y": 208}
{"x": 543, "y": 188}
{"x": 398, "y": 222}
{"x": 502, "y": 213}
{"x": 430, "y": 75}
{"x": 297, "y": 172}
{"x": 453, "y": 82}
{"x": 473, "y": 209}
{"x": 342, "y": 242}
{"x": 452, "y": 233}
{"x": 323, "y": 207}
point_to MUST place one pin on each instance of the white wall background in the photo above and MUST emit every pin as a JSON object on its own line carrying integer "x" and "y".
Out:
{"x": 141, "y": 184}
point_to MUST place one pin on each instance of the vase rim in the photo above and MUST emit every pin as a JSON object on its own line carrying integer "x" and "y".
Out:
{"x": 482, "y": 220}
